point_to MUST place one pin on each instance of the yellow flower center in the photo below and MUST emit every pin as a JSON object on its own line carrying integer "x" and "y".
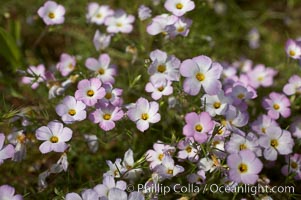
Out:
{"x": 101, "y": 71}
{"x": 243, "y": 168}
{"x": 99, "y": 15}
{"x": 160, "y": 88}
{"x": 108, "y": 95}
{"x": 116, "y": 172}
{"x": 118, "y": 24}
{"x": 224, "y": 122}
{"x": 128, "y": 167}
{"x": 215, "y": 143}
{"x": 198, "y": 128}
{"x": 263, "y": 130}
{"x": 188, "y": 149}
{"x": 242, "y": 146}
{"x": 179, "y": 6}
{"x": 169, "y": 171}
{"x": 107, "y": 116}
{"x": 274, "y": 143}
{"x": 51, "y": 15}
{"x": 260, "y": 78}
{"x": 144, "y": 116}
{"x": 70, "y": 66}
{"x": 217, "y": 105}
{"x": 292, "y": 53}
{"x": 21, "y": 138}
{"x": 200, "y": 77}
{"x": 90, "y": 93}
{"x": 240, "y": 96}
{"x": 220, "y": 131}
{"x": 160, "y": 157}
{"x": 294, "y": 165}
{"x": 276, "y": 106}
{"x": 161, "y": 68}
{"x": 180, "y": 29}
{"x": 54, "y": 139}
{"x": 72, "y": 112}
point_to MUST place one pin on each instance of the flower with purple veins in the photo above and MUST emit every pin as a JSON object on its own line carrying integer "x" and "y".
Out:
{"x": 120, "y": 22}
{"x": 71, "y": 110}
{"x": 7, "y": 193}
{"x": 97, "y": 14}
{"x": 179, "y": 7}
{"x": 144, "y": 113}
{"x": 66, "y": 65}
{"x": 55, "y": 136}
{"x": 108, "y": 183}
{"x": 276, "y": 141}
{"x": 201, "y": 72}
{"x": 156, "y": 156}
{"x": 5, "y": 152}
{"x": 198, "y": 126}
{"x": 52, "y": 13}
{"x": 277, "y": 104}
{"x": 168, "y": 169}
{"x": 244, "y": 167}
{"x": 293, "y": 86}
{"x": 37, "y": 74}
{"x": 293, "y": 49}
{"x": 293, "y": 166}
{"x": 89, "y": 91}
{"x": 160, "y": 23}
{"x": 163, "y": 64}
{"x": 159, "y": 86}
{"x": 106, "y": 115}
{"x": 101, "y": 40}
{"x": 102, "y": 67}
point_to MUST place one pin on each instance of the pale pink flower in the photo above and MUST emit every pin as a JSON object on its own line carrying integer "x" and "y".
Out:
{"x": 52, "y": 13}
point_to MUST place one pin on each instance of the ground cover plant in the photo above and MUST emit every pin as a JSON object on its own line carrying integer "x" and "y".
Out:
{"x": 151, "y": 99}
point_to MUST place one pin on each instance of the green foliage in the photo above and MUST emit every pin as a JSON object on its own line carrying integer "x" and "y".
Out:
{"x": 8, "y": 46}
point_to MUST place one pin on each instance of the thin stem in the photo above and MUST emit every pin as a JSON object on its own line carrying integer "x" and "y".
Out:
{"x": 42, "y": 34}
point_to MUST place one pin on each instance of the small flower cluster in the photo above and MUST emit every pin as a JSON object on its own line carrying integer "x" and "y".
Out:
{"x": 173, "y": 24}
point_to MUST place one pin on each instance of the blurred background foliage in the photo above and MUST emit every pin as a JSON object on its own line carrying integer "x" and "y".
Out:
{"x": 219, "y": 32}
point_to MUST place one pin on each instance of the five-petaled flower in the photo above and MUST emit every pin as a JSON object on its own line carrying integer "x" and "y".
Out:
{"x": 55, "y": 136}
{"x": 52, "y": 13}
{"x": 143, "y": 113}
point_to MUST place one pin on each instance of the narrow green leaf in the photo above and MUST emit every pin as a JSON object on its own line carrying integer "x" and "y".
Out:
{"x": 9, "y": 49}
